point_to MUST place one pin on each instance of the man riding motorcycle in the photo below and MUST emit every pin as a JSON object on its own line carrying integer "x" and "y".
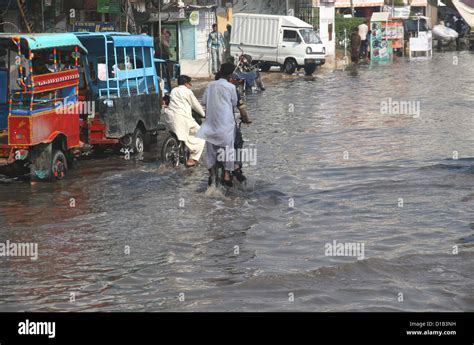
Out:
{"x": 179, "y": 118}
{"x": 219, "y": 129}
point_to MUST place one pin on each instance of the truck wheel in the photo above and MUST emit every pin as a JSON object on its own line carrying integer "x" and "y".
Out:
{"x": 309, "y": 68}
{"x": 138, "y": 141}
{"x": 290, "y": 66}
{"x": 265, "y": 67}
{"x": 58, "y": 165}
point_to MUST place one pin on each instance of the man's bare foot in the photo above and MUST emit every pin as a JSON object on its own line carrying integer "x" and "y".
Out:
{"x": 228, "y": 179}
{"x": 191, "y": 163}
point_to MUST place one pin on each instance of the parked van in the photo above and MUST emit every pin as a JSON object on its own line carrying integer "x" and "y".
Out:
{"x": 284, "y": 41}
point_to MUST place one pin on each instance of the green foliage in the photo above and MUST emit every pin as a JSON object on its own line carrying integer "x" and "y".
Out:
{"x": 345, "y": 23}
{"x": 398, "y": 3}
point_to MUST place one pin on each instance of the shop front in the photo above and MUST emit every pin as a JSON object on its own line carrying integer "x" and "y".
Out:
{"x": 387, "y": 36}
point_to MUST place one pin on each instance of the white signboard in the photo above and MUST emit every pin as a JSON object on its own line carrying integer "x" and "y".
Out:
{"x": 420, "y": 44}
{"x": 402, "y": 12}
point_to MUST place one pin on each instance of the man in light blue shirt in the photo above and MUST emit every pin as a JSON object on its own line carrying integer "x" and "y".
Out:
{"x": 215, "y": 42}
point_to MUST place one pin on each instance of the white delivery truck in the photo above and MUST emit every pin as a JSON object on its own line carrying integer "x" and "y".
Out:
{"x": 284, "y": 41}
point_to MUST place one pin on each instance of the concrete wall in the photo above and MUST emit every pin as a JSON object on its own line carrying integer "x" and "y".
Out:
{"x": 200, "y": 67}
{"x": 196, "y": 68}
{"x": 326, "y": 17}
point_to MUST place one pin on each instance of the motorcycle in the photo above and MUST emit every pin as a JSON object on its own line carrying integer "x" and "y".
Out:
{"x": 247, "y": 74}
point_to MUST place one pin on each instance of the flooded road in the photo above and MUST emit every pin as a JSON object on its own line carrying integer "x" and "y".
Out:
{"x": 335, "y": 162}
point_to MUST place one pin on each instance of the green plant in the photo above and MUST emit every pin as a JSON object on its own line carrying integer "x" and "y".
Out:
{"x": 345, "y": 23}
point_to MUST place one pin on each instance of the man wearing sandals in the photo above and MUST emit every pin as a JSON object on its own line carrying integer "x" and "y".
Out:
{"x": 218, "y": 130}
{"x": 179, "y": 118}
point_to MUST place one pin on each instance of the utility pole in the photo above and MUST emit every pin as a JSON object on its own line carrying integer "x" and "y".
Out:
{"x": 159, "y": 25}
{"x": 129, "y": 13}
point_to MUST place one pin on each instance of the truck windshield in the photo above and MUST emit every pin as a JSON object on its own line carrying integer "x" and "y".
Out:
{"x": 310, "y": 36}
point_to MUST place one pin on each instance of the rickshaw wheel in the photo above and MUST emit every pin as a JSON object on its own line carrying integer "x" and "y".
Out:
{"x": 58, "y": 165}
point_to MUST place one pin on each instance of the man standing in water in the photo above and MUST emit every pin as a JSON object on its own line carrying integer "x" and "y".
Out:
{"x": 355, "y": 45}
{"x": 218, "y": 130}
{"x": 363, "y": 29}
{"x": 214, "y": 44}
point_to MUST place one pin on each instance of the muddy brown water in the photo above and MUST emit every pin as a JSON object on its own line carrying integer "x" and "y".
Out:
{"x": 331, "y": 166}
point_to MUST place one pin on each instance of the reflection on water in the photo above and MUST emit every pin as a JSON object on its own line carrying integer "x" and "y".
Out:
{"x": 330, "y": 167}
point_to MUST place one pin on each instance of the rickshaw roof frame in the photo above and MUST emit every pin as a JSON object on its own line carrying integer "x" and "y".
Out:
{"x": 122, "y": 40}
{"x": 47, "y": 40}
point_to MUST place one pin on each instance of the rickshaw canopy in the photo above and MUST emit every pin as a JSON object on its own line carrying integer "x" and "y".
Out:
{"x": 45, "y": 41}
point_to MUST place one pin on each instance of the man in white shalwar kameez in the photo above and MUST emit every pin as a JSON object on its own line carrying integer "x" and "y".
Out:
{"x": 180, "y": 121}
{"x": 218, "y": 130}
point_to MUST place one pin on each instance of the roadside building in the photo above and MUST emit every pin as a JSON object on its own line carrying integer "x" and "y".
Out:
{"x": 9, "y": 16}
{"x": 62, "y": 15}
{"x": 188, "y": 25}
{"x": 365, "y": 8}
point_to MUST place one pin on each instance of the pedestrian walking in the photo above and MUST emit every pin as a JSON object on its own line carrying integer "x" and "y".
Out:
{"x": 215, "y": 43}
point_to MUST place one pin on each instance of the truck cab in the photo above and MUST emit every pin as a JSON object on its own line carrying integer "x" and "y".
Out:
{"x": 303, "y": 46}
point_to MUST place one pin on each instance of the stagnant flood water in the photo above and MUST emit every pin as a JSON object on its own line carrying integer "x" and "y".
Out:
{"x": 332, "y": 165}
